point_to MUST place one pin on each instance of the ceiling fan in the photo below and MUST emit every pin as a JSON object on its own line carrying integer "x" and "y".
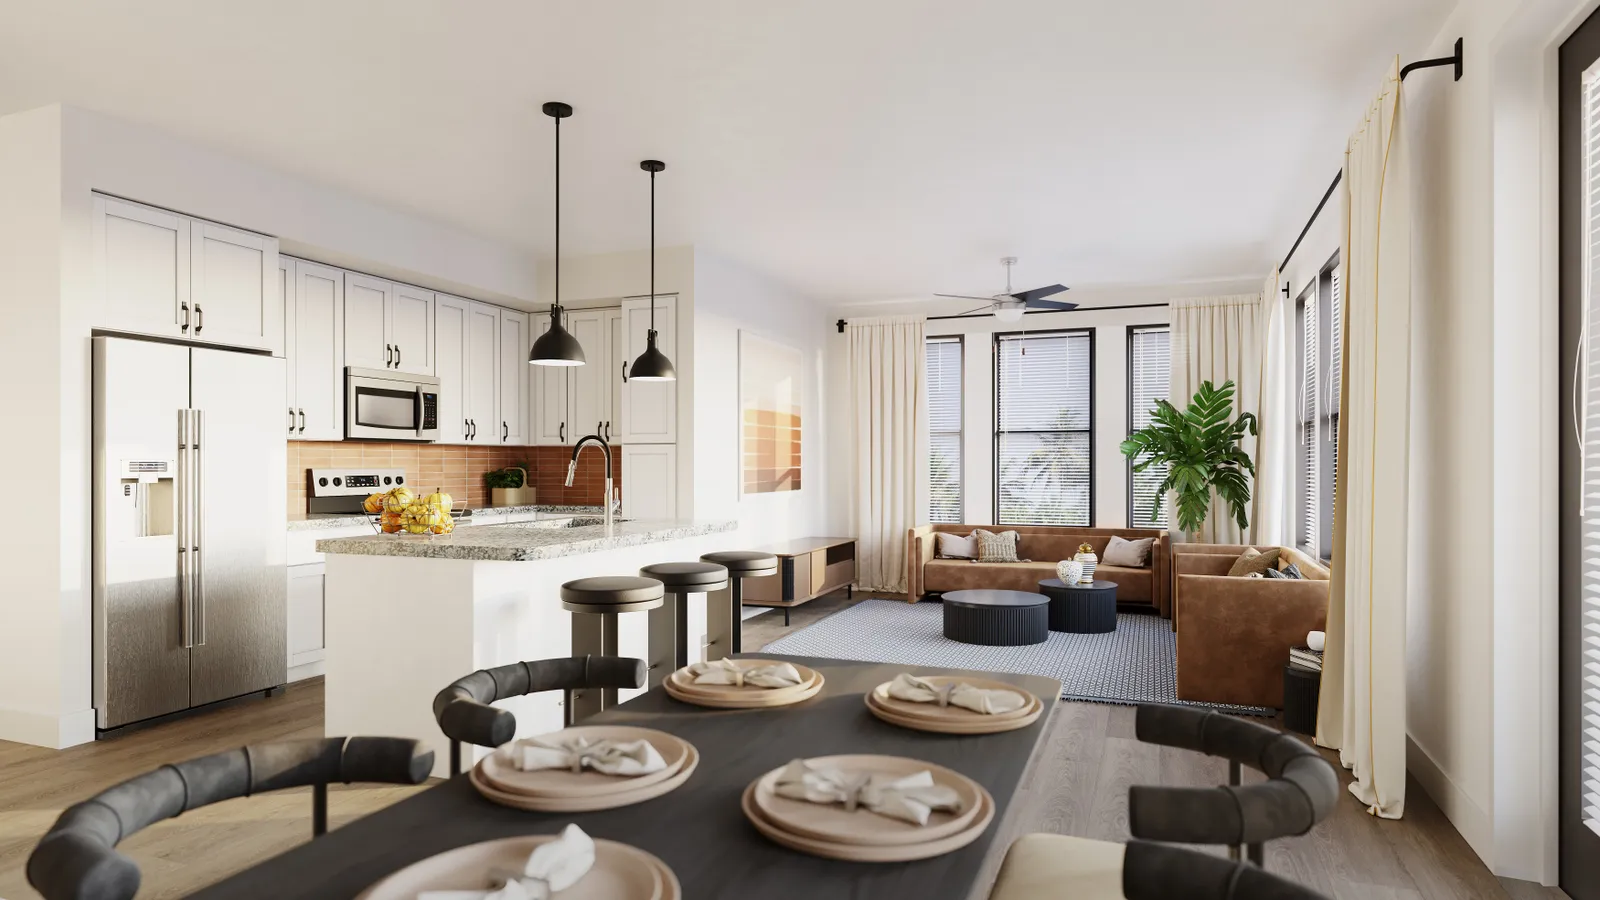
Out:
{"x": 1009, "y": 307}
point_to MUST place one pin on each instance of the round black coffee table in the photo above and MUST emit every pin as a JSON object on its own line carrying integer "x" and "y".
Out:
{"x": 996, "y": 618}
{"x": 1081, "y": 608}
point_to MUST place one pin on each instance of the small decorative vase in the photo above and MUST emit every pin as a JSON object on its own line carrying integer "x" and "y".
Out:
{"x": 1088, "y": 560}
{"x": 1069, "y": 571}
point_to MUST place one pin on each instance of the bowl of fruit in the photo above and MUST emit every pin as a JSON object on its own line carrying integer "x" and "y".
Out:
{"x": 401, "y": 511}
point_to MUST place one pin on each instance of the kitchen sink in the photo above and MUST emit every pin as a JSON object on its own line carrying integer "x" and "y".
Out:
{"x": 563, "y": 522}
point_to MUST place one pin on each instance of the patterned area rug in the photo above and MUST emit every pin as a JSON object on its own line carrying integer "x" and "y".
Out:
{"x": 1137, "y": 663}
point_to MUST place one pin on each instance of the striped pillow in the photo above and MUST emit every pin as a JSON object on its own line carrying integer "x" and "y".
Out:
{"x": 993, "y": 547}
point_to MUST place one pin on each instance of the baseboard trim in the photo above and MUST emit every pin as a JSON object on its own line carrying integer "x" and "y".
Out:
{"x": 304, "y": 671}
{"x": 46, "y": 730}
{"x": 1470, "y": 819}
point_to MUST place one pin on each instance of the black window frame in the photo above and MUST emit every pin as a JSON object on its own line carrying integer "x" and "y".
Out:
{"x": 1324, "y": 414}
{"x": 994, "y": 443}
{"x": 961, "y": 404}
{"x": 1133, "y": 517}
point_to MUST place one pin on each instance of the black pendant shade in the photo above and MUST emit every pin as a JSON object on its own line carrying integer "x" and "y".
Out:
{"x": 557, "y": 347}
{"x": 652, "y": 364}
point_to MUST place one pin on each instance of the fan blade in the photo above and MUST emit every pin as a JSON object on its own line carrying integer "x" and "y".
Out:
{"x": 981, "y": 309}
{"x": 966, "y": 297}
{"x": 1039, "y": 293}
{"x": 1051, "y": 304}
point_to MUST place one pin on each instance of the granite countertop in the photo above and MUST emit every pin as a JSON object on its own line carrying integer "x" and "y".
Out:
{"x": 523, "y": 541}
{"x": 483, "y": 514}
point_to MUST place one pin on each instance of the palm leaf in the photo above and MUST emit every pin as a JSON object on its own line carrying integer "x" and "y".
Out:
{"x": 1199, "y": 445}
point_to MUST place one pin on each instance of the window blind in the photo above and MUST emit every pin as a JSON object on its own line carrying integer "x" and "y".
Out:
{"x": 1335, "y": 373}
{"x": 1044, "y": 471}
{"x": 1589, "y": 453}
{"x": 943, "y": 380}
{"x": 1306, "y": 437}
{"x": 1149, "y": 377}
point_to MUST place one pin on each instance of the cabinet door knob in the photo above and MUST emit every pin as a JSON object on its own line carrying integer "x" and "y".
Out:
{"x": 185, "y": 326}
{"x": 505, "y": 432}
{"x": 199, "y": 318}
{"x": 624, "y": 371}
{"x": 563, "y": 432}
{"x": 388, "y": 355}
{"x": 291, "y": 420}
{"x": 302, "y": 421}
{"x": 397, "y": 356}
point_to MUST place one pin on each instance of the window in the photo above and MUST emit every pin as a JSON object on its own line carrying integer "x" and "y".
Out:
{"x": 1149, "y": 374}
{"x": 1043, "y": 436}
{"x": 1318, "y": 321}
{"x": 944, "y": 429}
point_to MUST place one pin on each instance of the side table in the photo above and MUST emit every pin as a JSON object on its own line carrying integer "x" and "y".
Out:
{"x": 1300, "y": 690}
{"x": 1081, "y": 608}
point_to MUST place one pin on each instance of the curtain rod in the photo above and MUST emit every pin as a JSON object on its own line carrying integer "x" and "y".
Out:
{"x": 1033, "y": 312}
{"x": 1456, "y": 60}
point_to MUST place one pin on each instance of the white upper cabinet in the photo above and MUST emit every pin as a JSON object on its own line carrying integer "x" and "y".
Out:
{"x": 550, "y": 411}
{"x": 590, "y": 393}
{"x": 410, "y": 325}
{"x": 450, "y": 353}
{"x": 314, "y": 295}
{"x": 367, "y": 301}
{"x": 233, "y": 288}
{"x": 482, "y": 412}
{"x": 649, "y": 408}
{"x": 514, "y": 377}
{"x": 142, "y": 268}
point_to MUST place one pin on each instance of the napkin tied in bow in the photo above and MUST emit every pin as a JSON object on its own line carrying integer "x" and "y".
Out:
{"x": 726, "y": 671}
{"x": 551, "y": 867}
{"x": 559, "y": 751}
{"x": 911, "y": 798}
{"x": 918, "y": 690}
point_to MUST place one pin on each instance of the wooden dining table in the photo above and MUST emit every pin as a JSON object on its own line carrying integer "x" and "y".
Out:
{"x": 697, "y": 829}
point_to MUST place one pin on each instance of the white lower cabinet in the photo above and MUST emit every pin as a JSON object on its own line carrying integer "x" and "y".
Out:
{"x": 650, "y": 481}
{"x": 305, "y": 621}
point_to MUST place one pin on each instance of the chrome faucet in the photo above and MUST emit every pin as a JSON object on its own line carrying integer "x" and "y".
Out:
{"x": 572, "y": 470}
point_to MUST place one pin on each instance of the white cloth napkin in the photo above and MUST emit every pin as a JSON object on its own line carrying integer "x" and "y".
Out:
{"x": 560, "y": 751}
{"x": 911, "y": 798}
{"x": 917, "y": 690}
{"x": 726, "y": 671}
{"x": 551, "y": 867}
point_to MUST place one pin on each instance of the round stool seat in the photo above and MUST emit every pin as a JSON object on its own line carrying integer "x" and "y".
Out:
{"x": 611, "y": 594}
{"x": 744, "y": 563}
{"x": 681, "y": 575}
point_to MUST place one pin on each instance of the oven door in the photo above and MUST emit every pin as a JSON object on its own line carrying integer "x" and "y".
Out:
{"x": 386, "y": 409}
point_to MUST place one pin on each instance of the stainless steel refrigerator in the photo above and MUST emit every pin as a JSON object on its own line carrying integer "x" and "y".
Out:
{"x": 189, "y": 536}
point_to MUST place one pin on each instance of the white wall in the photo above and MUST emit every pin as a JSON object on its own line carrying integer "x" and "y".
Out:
{"x": 730, "y": 299}
{"x": 68, "y": 153}
{"x": 1140, "y": 305}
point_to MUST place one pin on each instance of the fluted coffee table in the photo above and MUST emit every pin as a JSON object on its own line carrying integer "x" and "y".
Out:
{"x": 1081, "y": 608}
{"x": 996, "y": 618}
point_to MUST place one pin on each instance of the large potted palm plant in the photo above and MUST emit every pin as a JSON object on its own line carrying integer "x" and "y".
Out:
{"x": 1200, "y": 448}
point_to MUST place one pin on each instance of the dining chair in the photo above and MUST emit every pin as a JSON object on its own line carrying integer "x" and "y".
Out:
{"x": 1058, "y": 867}
{"x": 77, "y": 857}
{"x": 1300, "y": 790}
{"x": 463, "y": 709}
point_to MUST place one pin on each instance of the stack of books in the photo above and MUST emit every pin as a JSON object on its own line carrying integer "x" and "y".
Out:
{"x": 1305, "y": 658}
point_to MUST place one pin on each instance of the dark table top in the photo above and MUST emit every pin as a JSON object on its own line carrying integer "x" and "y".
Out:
{"x": 1056, "y": 584}
{"x": 994, "y": 598}
{"x": 697, "y": 829}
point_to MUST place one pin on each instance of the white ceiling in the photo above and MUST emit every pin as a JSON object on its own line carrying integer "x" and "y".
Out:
{"x": 855, "y": 149}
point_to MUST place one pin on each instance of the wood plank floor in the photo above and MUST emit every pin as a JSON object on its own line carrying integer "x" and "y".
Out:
{"x": 1076, "y": 785}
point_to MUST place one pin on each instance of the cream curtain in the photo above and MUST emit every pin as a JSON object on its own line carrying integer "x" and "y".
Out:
{"x": 1217, "y": 339}
{"x": 1274, "y": 458}
{"x": 1362, "y": 711}
{"x": 888, "y": 432}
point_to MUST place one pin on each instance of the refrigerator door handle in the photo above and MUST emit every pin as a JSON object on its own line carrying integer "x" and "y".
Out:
{"x": 185, "y": 598}
{"x": 196, "y": 560}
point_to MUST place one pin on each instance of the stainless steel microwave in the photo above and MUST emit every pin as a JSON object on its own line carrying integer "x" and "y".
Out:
{"x": 384, "y": 405}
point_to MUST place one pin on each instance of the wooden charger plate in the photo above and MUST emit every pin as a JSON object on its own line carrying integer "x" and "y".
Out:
{"x": 910, "y": 710}
{"x": 979, "y": 725}
{"x": 746, "y": 698}
{"x": 866, "y": 852}
{"x": 833, "y": 823}
{"x": 611, "y": 800}
{"x": 684, "y": 682}
{"x": 500, "y": 772}
{"x": 620, "y": 872}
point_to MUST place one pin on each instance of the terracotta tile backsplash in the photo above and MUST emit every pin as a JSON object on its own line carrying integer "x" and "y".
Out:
{"x": 457, "y": 469}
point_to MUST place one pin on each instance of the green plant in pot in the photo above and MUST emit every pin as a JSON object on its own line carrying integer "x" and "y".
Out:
{"x": 509, "y": 486}
{"x": 1200, "y": 448}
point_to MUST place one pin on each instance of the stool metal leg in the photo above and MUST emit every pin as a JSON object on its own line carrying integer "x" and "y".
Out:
{"x": 593, "y": 635}
{"x": 722, "y": 622}
{"x": 669, "y": 637}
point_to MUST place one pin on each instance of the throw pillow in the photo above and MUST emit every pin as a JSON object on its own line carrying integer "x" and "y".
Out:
{"x": 1291, "y": 571}
{"x": 993, "y": 547}
{"x": 954, "y": 546}
{"x": 1253, "y": 560}
{"x": 1132, "y": 554}
{"x": 1274, "y": 573}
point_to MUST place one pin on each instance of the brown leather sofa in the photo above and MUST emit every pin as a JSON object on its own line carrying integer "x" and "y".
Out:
{"x": 1045, "y": 545}
{"x": 1234, "y": 633}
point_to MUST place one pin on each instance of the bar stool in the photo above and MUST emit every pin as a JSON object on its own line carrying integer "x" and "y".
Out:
{"x": 596, "y": 603}
{"x": 724, "y": 620}
{"x": 669, "y": 622}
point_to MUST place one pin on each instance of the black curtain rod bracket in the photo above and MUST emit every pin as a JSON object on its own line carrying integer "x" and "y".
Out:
{"x": 1457, "y": 60}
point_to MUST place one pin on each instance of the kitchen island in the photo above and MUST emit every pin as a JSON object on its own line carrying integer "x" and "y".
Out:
{"x": 405, "y": 615}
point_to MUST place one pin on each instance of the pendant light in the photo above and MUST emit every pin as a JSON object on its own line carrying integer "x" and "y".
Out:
{"x": 557, "y": 347}
{"x": 652, "y": 364}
